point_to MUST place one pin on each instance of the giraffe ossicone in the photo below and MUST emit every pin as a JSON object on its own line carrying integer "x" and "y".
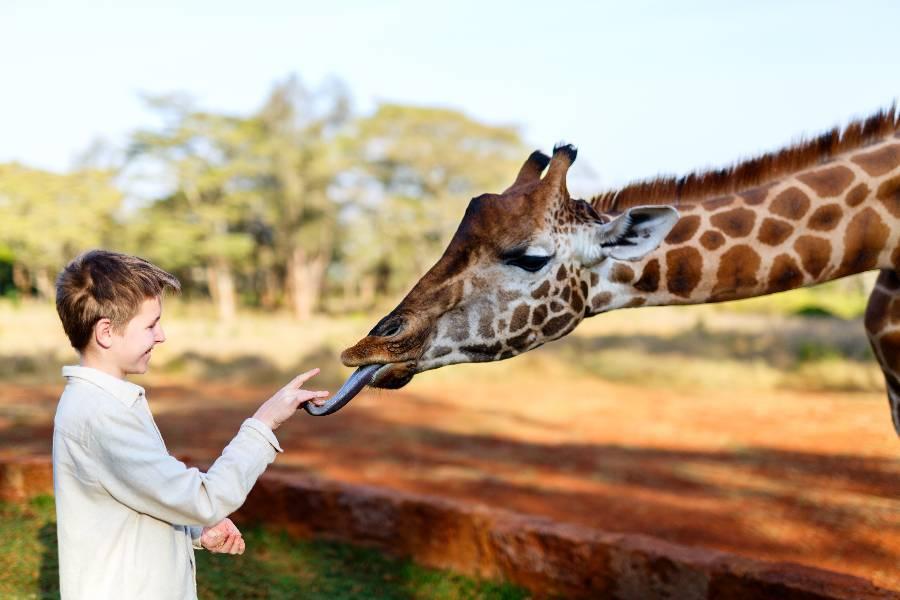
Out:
{"x": 527, "y": 265}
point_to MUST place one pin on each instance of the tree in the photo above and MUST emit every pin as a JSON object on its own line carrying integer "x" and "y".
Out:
{"x": 210, "y": 157}
{"x": 417, "y": 169}
{"x": 252, "y": 193}
{"x": 46, "y": 219}
{"x": 298, "y": 151}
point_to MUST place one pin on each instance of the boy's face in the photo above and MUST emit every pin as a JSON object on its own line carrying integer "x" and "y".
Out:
{"x": 131, "y": 347}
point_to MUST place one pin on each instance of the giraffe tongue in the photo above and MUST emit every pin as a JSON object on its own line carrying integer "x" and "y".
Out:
{"x": 356, "y": 382}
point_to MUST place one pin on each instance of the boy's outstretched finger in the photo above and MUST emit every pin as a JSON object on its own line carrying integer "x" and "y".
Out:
{"x": 302, "y": 378}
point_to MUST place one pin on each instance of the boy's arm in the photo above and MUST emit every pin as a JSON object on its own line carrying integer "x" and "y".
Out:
{"x": 138, "y": 472}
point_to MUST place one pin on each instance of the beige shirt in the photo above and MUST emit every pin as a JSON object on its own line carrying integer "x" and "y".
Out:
{"x": 129, "y": 514}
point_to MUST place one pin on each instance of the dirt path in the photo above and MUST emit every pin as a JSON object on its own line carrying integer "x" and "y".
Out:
{"x": 808, "y": 478}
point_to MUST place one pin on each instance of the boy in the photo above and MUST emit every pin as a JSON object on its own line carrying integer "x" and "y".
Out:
{"x": 129, "y": 515}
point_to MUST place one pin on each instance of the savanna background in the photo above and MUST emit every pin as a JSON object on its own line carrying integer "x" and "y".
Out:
{"x": 298, "y": 173}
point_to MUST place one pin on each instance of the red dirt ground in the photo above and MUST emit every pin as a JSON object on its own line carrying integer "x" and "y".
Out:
{"x": 806, "y": 478}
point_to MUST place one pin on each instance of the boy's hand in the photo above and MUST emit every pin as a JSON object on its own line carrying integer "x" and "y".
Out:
{"x": 283, "y": 405}
{"x": 223, "y": 538}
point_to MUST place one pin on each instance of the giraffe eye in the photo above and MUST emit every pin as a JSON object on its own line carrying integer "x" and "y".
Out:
{"x": 529, "y": 263}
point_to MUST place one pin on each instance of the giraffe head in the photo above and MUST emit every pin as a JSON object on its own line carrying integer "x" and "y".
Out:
{"x": 517, "y": 274}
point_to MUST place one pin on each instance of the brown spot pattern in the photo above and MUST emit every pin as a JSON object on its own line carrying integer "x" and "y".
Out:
{"x": 556, "y": 324}
{"x": 649, "y": 281}
{"x": 857, "y": 195}
{"x": 539, "y": 315}
{"x": 828, "y": 182}
{"x": 774, "y": 231}
{"x": 520, "y": 342}
{"x": 577, "y": 303}
{"x": 561, "y": 274}
{"x": 864, "y": 240}
{"x": 481, "y": 352}
{"x": 756, "y": 195}
{"x": 439, "y": 351}
{"x": 542, "y": 291}
{"x": 595, "y": 279}
{"x": 712, "y": 240}
{"x": 505, "y": 297}
{"x": 814, "y": 254}
{"x": 622, "y": 273}
{"x": 889, "y": 194}
{"x": 486, "y": 324}
{"x": 635, "y": 302}
{"x": 684, "y": 267}
{"x": 519, "y": 317}
{"x": 684, "y": 230}
{"x": 600, "y": 300}
{"x": 895, "y": 258}
{"x": 737, "y": 222}
{"x": 880, "y": 161}
{"x": 737, "y": 272}
{"x": 792, "y": 203}
{"x": 458, "y": 326}
{"x": 785, "y": 274}
{"x": 717, "y": 203}
{"x": 825, "y": 218}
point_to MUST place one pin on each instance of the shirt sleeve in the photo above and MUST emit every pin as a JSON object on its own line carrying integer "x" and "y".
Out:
{"x": 196, "y": 532}
{"x": 137, "y": 471}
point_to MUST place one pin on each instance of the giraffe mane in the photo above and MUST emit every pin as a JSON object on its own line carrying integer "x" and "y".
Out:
{"x": 753, "y": 172}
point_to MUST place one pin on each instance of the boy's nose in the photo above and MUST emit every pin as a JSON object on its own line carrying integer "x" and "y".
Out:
{"x": 160, "y": 336}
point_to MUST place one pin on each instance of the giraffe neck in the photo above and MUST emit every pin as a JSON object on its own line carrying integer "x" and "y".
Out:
{"x": 822, "y": 223}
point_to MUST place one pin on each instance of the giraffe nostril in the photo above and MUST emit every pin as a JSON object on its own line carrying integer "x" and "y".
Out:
{"x": 387, "y": 327}
{"x": 392, "y": 330}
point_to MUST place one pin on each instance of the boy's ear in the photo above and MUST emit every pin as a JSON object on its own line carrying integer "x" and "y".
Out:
{"x": 103, "y": 332}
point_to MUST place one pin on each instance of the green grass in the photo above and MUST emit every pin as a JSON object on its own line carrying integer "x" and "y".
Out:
{"x": 274, "y": 566}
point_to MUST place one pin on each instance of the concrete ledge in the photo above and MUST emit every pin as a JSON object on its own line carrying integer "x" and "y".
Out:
{"x": 25, "y": 477}
{"x": 549, "y": 558}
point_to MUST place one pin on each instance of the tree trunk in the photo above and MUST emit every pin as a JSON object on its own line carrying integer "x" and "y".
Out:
{"x": 221, "y": 288}
{"x": 21, "y": 279}
{"x": 367, "y": 289}
{"x": 268, "y": 297}
{"x": 44, "y": 284}
{"x": 304, "y": 282}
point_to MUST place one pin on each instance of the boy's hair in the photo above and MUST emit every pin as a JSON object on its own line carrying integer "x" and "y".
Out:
{"x": 102, "y": 284}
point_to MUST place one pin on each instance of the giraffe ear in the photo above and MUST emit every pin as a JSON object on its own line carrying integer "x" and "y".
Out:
{"x": 634, "y": 234}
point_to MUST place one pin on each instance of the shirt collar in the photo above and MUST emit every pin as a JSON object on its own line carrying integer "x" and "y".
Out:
{"x": 125, "y": 391}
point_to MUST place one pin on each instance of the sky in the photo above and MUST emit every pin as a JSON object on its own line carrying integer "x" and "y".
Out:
{"x": 642, "y": 88}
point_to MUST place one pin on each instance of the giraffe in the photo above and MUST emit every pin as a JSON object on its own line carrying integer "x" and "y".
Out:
{"x": 527, "y": 265}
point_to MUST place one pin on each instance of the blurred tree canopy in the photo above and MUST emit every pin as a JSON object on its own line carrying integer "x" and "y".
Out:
{"x": 46, "y": 219}
{"x": 300, "y": 205}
